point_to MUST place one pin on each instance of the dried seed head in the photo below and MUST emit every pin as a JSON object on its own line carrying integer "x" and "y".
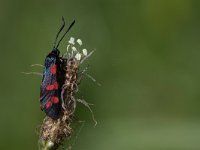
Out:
{"x": 53, "y": 132}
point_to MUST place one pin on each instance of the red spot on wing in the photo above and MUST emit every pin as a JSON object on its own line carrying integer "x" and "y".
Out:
{"x": 50, "y": 87}
{"x": 48, "y": 104}
{"x": 54, "y": 100}
{"x": 53, "y": 69}
{"x": 53, "y": 86}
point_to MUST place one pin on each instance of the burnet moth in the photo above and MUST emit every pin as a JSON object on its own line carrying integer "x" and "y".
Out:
{"x": 50, "y": 89}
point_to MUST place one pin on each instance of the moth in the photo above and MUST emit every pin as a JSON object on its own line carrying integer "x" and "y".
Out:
{"x": 50, "y": 89}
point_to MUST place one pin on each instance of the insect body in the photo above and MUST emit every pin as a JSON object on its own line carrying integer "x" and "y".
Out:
{"x": 50, "y": 86}
{"x": 50, "y": 89}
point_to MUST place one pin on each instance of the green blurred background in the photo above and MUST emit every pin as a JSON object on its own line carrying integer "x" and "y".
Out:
{"x": 147, "y": 60}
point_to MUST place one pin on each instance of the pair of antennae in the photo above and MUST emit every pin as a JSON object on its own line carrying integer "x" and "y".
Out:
{"x": 61, "y": 28}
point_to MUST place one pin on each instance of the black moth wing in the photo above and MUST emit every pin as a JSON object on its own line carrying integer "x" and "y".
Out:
{"x": 50, "y": 107}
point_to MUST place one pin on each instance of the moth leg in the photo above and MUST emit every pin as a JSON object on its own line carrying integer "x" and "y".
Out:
{"x": 82, "y": 101}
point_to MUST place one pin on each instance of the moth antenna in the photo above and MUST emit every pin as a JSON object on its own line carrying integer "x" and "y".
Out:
{"x": 61, "y": 28}
{"x": 65, "y": 33}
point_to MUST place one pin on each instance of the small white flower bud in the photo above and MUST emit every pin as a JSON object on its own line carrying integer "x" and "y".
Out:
{"x": 84, "y": 52}
{"x": 78, "y": 56}
{"x": 71, "y": 41}
{"x": 74, "y": 48}
{"x": 79, "y": 42}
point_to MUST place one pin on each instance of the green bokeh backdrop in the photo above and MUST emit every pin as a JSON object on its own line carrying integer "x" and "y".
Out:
{"x": 147, "y": 60}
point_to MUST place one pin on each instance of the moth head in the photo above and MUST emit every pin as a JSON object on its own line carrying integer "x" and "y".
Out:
{"x": 55, "y": 51}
